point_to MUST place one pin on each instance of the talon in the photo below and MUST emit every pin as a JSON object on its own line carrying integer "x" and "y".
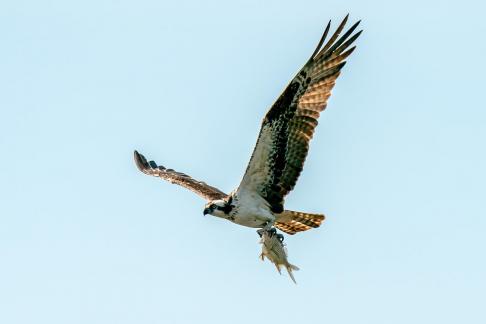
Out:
{"x": 280, "y": 237}
{"x": 272, "y": 231}
{"x": 260, "y": 232}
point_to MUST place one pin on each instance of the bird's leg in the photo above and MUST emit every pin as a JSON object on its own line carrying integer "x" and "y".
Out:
{"x": 271, "y": 232}
{"x": 267, "y": 227}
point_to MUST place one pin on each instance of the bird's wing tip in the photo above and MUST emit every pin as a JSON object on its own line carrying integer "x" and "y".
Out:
{"x": 139, "y": 160}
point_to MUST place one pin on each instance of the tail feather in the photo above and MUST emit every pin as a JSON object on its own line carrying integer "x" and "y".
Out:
{"x": 292, "y": 222}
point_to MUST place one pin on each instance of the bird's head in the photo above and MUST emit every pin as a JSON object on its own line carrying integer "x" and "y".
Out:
{"x": 219, "y": 208}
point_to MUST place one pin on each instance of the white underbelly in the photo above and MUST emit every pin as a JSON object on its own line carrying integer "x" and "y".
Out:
{"x": 253, "y": 211}
{"x": 253, "y": 215}
{"x": 255, "y": 221}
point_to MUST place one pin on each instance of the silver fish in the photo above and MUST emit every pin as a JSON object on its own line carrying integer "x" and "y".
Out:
{"x": 274, "y": 250}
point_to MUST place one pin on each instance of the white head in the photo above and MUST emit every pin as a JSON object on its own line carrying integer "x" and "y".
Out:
{"x": 218, "y": 208}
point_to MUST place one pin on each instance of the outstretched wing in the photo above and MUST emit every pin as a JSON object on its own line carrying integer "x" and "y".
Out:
{"x": 283, "y": 142}
{"x": 198, "y": 187}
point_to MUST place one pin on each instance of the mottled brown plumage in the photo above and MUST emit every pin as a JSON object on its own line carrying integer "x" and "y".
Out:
{"x": 292, "y": 222}
{"x": 201, "y": 188}
{"x": 288, "y": 127}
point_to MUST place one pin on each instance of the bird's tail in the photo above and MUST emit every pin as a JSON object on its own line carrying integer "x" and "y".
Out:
{"x": 292, "y": 222}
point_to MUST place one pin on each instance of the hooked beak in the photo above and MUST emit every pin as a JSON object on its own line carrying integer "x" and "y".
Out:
{"x": 206, "y": 211}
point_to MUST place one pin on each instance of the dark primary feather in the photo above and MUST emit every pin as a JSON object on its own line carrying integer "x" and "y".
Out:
{"x": 202, "y": 189}
{"x": 288, "y": 127}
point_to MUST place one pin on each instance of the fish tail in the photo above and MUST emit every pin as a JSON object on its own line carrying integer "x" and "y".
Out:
{"x": 290, "y": 268}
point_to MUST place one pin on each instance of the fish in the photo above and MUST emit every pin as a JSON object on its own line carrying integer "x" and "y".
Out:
{"x": 274, "y": 250}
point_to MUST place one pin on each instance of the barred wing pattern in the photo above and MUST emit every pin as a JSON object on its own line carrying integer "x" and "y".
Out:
{"x": 292, "y": 222}
{"x": 202, "y": 189}
{"x": 288, "y": 127}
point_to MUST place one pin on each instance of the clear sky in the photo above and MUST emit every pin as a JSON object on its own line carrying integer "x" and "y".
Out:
{"x": 397, "y": 163}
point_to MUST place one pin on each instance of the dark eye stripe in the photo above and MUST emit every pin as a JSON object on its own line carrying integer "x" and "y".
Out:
{"x": 226, "y": 209}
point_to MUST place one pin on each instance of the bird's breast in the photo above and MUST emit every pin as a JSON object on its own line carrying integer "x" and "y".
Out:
{"x": 251, "y": 212}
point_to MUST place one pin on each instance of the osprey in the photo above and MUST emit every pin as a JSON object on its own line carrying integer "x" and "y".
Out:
{"x": 282, "y": 146}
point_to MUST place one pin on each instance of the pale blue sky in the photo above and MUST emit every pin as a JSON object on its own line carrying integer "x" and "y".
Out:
{"x": 397, "y": 164}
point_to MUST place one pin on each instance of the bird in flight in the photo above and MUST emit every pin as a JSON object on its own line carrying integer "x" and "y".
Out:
{"x": 282, "y": 146}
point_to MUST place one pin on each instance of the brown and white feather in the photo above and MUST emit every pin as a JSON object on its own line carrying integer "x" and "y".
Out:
{"x": 201, "y": 188}
{"x": 292, "y": 222}
{"x": 288, "y": 127}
